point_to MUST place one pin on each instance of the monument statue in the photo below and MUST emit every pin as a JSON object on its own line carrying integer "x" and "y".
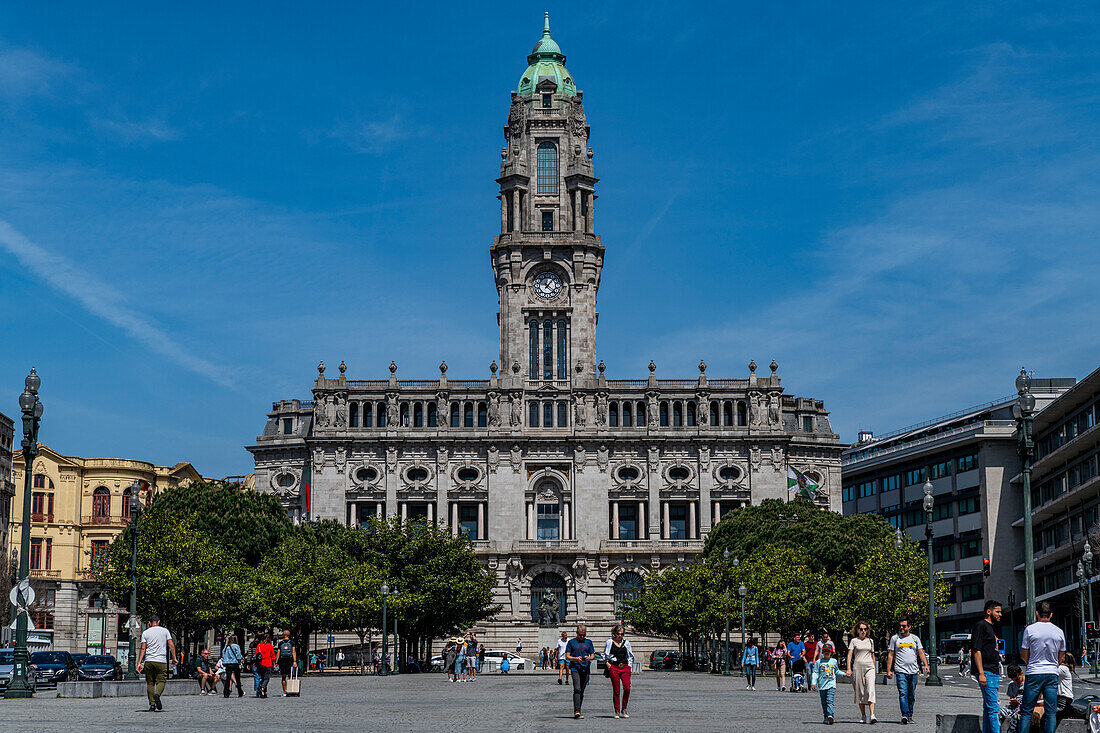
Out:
{"x": 548, "y": 610}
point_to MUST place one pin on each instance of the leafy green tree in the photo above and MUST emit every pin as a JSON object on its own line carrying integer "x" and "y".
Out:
{"x": 357, "y": 598}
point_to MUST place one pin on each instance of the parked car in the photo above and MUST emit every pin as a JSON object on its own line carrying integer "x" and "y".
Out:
{"x": 98, "y": 667}
{"x": 7, "y": 667}
{"x": 668, "y": 659}
{"x": 515, "y": 660}
{"x": 79, "y": 659}
{"x": 54, "y": 667}
{"x": 437, "y": 663}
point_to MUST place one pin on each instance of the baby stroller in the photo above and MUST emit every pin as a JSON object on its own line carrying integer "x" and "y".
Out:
{"x": 798, "y": 683}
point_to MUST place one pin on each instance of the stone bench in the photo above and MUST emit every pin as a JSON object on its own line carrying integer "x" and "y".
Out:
{"x": 973, "y": 724}
{"x": 123, "y": 688}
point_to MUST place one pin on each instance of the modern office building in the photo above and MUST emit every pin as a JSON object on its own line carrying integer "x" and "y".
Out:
{"x": 1065, "y": 497}
{"x": 78, "y": 505}
{"x": 565, "y": 480}
{"x": 971, "y": 458}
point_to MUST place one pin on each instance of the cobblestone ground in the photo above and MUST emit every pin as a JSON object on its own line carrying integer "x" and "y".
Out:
{"x": 660, "y": 701}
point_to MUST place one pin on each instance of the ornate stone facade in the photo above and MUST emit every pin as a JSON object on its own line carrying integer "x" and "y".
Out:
{"x": 565, "y": 480}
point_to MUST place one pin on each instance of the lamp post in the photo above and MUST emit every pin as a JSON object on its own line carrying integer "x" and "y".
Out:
{"x": 1081, "y": 599}
{"x": 726, "y": 653}
{"x": 1087, "y": 557}
{"x": 135, "y": 524}
{"x": 1024, "y": 410}
{"x": 396, "y": 649}
{"x": 31, "y": 408}
{"x": 385, "y": 668}
{"x": 742, "y": 591}
{"x": 933, "y": 675}
{"x": 1011, "y": 619}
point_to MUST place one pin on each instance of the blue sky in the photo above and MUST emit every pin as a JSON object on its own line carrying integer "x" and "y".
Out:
{"x": 197, "y": 204}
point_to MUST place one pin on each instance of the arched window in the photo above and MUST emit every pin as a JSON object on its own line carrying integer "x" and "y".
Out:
{"x": 742, "y": 414}
{"x": 640, "y": 422}
{"x": 714, "y": 413}
{"x": 691, "y": 414}
{"x": 613, "y": 415}
{"x": 353, "y": 415}
{"x": 126, "y": 503}
{"x": 455, "y": 419}
{"x": 727, "y": 414}
{"x": 381, "y": 414}
{"x": 368, "y": 414}
{"x": 563, "y": 358}
{"x": 534, "y": 350}
{"x": 482, "y": 415}
{"x": 627, "y": 410}
{"x": 628, "y": 587}
{"x": 563, "y": 415}
{"x": 547, "y": 168}
{"x": 404, "y": 414}
{"x": 548, "y": 350}
{"x": 101, "y": 505}
{"x": 664, "y": 414}
{"x": 533, "y": 414}
{"x": 418, "y": 415}
{"x": 548, "y": 414}
{"x": 468, "y": 415}
{"x": 432, "y": 418}
{"x": 548, "y": 583}
{"x": 677, "y": 415}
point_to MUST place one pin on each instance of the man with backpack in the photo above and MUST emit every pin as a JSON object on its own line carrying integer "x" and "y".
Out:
{"x": 287, "y": 657}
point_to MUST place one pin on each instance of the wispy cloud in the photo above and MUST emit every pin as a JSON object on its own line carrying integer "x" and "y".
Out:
{"x": 375, "y": 136}
{"x": 26, "y": 73}
{"x": 137, "y": 131}
{"x": 104, "y": 301}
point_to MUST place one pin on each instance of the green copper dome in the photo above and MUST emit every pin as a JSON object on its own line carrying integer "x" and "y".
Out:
{"x": 546, "y": 61}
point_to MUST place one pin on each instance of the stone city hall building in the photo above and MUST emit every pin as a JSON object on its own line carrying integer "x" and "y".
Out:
{"x": 563, "y": 479}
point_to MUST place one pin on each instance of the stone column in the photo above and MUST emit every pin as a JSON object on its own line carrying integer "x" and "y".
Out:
{"x": 664, "y": 520}
{"x": 614, "y": 520}
{"x": 431, "y": 513}
{"x": 352, "y": 514}
{"x": 378, "y": 510}
{"x": 454, "y": 519}
{"x": 391, "y": 494}
{"x": 565, "y": 521}
{"x": 643, "y": 522}
{"x": 530, "y": 520}
{"x": 716, "y": 515}
{"x": 691, "y": 520}
{"x": 404, "y": 511}
{"x": 504, "y": 196}
{"x": 481, "y": 520}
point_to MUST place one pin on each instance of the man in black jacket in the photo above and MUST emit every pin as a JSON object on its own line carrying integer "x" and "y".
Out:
{"x": 987, "y": 664}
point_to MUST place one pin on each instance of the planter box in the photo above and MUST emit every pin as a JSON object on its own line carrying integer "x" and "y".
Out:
{"x": 123, "y": 688}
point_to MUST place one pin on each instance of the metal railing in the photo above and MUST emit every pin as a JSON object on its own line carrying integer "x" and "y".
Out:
{"x": 107, "y": 521}
{"x": 868, "y": 453}
{"x": 521, "y": 545}
{"x": 943, "y": 418}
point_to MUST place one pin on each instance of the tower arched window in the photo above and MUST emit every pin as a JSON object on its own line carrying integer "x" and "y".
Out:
{"x": 482, "y": 415}
{"x": 613, "y": 415}
{"x": 627, "y": 410}
{"x": 727, "y": 414}
{"x": 677, "y": 414}
{"x": 418, "y": 415}
{"x": 126, "y": 503}
{"x": 563, "y": 358}
{"x": 548, "y": 350}
{"x": 664, "y": 415}
{"x": 101, "y": 505}
{"x": 691, "y": 414}
{"x": 714, "y": 413}
{"x": 455, "y": 422}
{"x": 381, "y": 414}
{"x": 640, "y": 422}
{"x": 432, "y": 417}
{"x": 628, "y": 587}
{"x": 548, "y": 168}
{"x": 534, "y": 349}
{"x": 468, "y": 415}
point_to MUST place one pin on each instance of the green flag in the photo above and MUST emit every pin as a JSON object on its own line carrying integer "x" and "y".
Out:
{"x": 800, "y": 482}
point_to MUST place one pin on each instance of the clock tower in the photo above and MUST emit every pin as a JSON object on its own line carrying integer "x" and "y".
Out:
{"x": 547, "y": 258}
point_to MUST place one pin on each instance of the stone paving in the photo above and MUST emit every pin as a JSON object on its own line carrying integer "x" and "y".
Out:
{"x": 661, "y": 701}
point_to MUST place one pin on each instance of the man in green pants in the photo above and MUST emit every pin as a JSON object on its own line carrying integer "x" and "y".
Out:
{"x": 157, "y": 648}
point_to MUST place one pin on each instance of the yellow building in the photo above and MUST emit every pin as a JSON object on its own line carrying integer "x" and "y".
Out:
{"x": 78, "y": 505}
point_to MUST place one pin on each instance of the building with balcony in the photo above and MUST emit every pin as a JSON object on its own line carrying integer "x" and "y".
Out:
{"x": 564, "y": 479}
{"x": 78, "y": 505}
{"x": 971, "y": 458}
{"x": 1065, "y": 496}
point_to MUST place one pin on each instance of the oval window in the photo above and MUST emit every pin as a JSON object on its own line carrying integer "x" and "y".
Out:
{"x": 679, "y": 473}
{"x": 366, "y": 473}
{"x": 285, "y": 480}
{"x": 467, "y": 474}
{"x": 729, "y": 473}
{"x": 628, "y": 473}
{"x": 417, "y": 474}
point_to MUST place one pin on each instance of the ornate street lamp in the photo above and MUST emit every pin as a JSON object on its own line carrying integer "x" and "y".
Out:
{"x": 1024, "y": 411}
{"x": 1087, "y": 557}
{"x": 742, "y": 591}
{"x": 385, "y": 668}
{"x": 899, "y": 540}
{"x": 933, "y": 675}
{"x": 31, "y": 408}
{"x": 726, "y": 665}
{"x": 132, "y": 624}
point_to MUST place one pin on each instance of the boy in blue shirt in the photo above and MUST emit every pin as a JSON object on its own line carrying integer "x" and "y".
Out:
{"x": 579, "y": 653}
{"x": 823, "y": 680}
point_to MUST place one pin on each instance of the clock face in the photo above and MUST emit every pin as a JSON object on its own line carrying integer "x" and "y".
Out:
{"x": 547, "y": 285}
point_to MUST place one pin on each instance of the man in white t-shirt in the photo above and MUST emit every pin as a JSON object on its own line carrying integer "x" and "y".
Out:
{"x": 157, "y": 648}
{"x": 904, "y": 655}
{"x": 562, "y": 643}
{"x": 1043, "y": 649}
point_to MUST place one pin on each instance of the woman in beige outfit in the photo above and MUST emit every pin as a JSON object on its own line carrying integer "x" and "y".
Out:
{"x": 862, "y": 670}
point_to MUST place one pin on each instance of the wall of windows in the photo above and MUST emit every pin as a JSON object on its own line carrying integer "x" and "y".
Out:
{"x": 969, "y": 505}
{"x": 547, "y": 168}
{"x": 966, "y": 463}
{"x": 866, "y": 488}
{"x": 889, "y": 483}
{"x": 970, "y": 548}
{"x": 939, "y": 470}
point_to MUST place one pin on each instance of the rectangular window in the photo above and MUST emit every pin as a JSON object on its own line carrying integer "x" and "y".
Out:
{"x": 628, "y": 521}
{"x": 971, "y": 591}
{"x": 970, "y": 548}
{"x": 548, "y": 414}
{"x": 889, "y": 483}
{"x": 534, "y": 328}
{"x": 914, "y": 517}
{"x": 914, "y": 477}
{"x": 36, "y": 553}
{"x": 867, "y": 488}
{"x": 511, "y": 213}
{"x": 548, "y": 516}
{"x": 563, "y": 358}
{"x": 613, "y": 415}
{"x": 547, "y": 101}
{"x": 42, "y": 619}
{"x": 941, "y": 510}
{"x": 38, "y": 502}
{"x": 969, "y": 505}
{"x": 807, "y": 424}
{"x": 677, "y": 522}
{"x": 288, "y": 426}
{"x": 49, "y": 553}
{"x": 547, "y": 221}
{"x": 967, "y": 463}
{"x": 894, "y": 521}
{"x": 846, "y": 493}
{"x": 944, "y": 553}
{"x": 939, "y": 470}
{"x": 563, "y": 415}
{"x": 533, "y": 414}
{"x": 99, "y": 552}
{"x": 467, "y": 521}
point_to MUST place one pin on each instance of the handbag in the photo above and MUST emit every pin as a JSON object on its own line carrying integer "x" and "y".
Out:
{"x": 294, "y": 685}
{"x": 606, "y": 671}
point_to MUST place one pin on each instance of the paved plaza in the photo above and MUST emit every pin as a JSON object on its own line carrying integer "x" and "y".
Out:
{"x": 661, "y": 701}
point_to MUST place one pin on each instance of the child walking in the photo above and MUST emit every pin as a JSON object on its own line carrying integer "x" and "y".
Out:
{"x": 823, "y": 680}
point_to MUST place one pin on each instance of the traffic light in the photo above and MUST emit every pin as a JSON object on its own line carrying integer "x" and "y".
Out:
{"x": 1090, "y": 630}
{"x": 985, "y": 567}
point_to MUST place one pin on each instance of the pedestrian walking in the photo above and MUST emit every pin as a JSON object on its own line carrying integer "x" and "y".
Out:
{"x": 579, "y": 653}
{"x": 157, "y": 647}
{"x": 449, "y": 655}
{"x": 232, "y": 659}
{"x": 1065, "y": 688}
{"x": 1043, "y": 650}
{"x": 750, "y": 659}
{"x": 902, "y": 657}
{"x": 620, "y": 659}
{"x": 265, "y": 661}
{"x": 288, "y": 657}
{"x": 822, "y": 640}
{"x": 987, "y": 662}
{"x": 253, "y": 663}
{"x": 480, "y": 658}
{"x": 562, "y": 663}
{"x": 779, "y": 658}
{"x": 862, "y": 669}
{"x": 340, "y": 659}
{"x": 823, "y": 679}
{"x": 519, "y": 645}
{"x": 796, "y": 653}
{"x": 460, "y": 660}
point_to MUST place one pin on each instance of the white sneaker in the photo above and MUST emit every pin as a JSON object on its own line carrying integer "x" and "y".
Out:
{"x": 873, "y": 720}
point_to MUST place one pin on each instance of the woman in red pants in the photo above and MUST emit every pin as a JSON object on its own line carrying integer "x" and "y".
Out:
{"x": 620, "y": 658}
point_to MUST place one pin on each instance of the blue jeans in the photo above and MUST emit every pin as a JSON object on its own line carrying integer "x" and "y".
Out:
{"x": 1036, "y": 685}
{"x": 750, "y": 674}
{"x": 990, "y": 706}
{"x": 907, "y": 693}
{"x": 827, "y": 701}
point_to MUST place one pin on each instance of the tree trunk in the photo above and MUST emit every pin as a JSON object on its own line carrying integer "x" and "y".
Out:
{"x": 362, "y": 665}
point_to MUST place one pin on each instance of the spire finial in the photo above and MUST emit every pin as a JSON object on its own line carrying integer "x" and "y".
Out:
{"x": 546, "y": 24}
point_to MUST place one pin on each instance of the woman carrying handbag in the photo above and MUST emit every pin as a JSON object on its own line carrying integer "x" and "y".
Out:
{"x": 619, "y": 658}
